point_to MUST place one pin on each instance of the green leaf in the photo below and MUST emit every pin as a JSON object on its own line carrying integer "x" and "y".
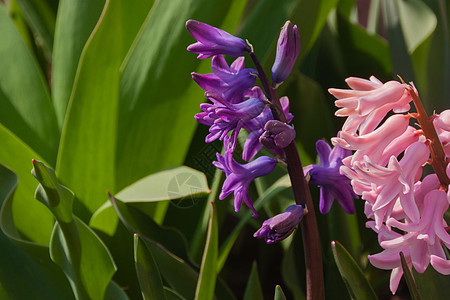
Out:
{"x": 176, "y": 272}
{"x": 272, "y": 191}
{"x": 138, "y": 222}
{"x": 400, "y": 59}
{"x": 41, "y": 19}
{"x": 86, "y": 156}
{"x": 417, "y": 21}
{"x": 256, "y": 23}
{"x": 114, "y": 292}
{"x": 310, "y": 17}
{"x": 175, "y": 183}
{"x": 357, "y": 284}
{"x": 158, "y": 97}
{"x": 22, "y": 217}
{"x": 208, "y": 270}
{"x": 409, "y": 279}
{"x": 25, "y": 105}
{"x": 363, "y": 53}
{"x": 74, "y": 247}
{"x": 437, "y": 93}
{"x": 147, "y": 270}
{"x": 23, "y": 276}
{"x": 253, "y": 289}
{"x": 55, "y": 196}
{"x": 430, "y": 284}
{"x": 279, "y": 294}
{"x": 74, "y": 24}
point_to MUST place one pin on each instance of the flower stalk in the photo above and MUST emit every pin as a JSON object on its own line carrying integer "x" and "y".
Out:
{"x": 438, "y": 161}
{"x": 302, "y": 196}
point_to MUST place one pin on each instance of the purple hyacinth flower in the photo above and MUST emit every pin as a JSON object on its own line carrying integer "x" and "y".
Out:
{"x": 326, "y": 176}
{"x": 281, "y": 226}
{"x": 230, "y": 82}
{"x": 277, "y": 135}
{"x": 214, "y": 41}
{"x": 288, "y": 48}
{"x": 239, "y": 177}
{"x": 223, "y": 117}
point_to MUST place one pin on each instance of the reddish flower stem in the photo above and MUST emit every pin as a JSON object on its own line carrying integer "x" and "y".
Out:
{"x": 438, "y": 161}
{"x": 310, "y": 232}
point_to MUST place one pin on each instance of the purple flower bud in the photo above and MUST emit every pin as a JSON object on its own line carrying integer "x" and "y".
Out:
{"x": 213, "y": 41}
{"x": 327, "y": 177}
{"x": 288, "y": 48}
{"x": 239, "y": 177}
{"x": 277, "y": 135}
{"x": 280, "y": 226}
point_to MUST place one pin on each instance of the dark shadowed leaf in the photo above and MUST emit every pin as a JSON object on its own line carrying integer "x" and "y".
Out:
{"x": 147, "y": 270}
{"x": 253, "y": 289}
{"x": 357, "y": 284}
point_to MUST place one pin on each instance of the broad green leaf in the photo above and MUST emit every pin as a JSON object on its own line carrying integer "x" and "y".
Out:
{"x": 179, "y": 184}
{"x": 310, "y": 17}
{"x": 208, "y": 271}
{"x": 169, "y": 250}
{"x": 363, "y": 53}
{"x": 175, "y": 271}
{"x": 400, "y": 60}
{"x": 74, "y": 24}
{"x": 86, "y": 159}
{"x": 158, "y": 98}
{"x": 253, "y": 289}
{"x": 138, "y": 222}
{"x": 279, "y": 294}
{"x": 114, "y": 292}
{"x": 147, "y": 270}
{"x": 16, "y": 14}
{"x": 437, "y": 93}
{"x": 23, "y": 276}
{"x": 41, "y": 19}
{"x": 25, "y": 105}
{"x": 55, "y": 196}
{"x": 234, "y": 16}
{"x": 23, "y": 217}
{"x": 357, "y": 284}
{"x": 272, "y": 191}
{"x": 409, "y": 279}
{"x": 175, "y": 183}
{"x": 278, "y": 12}
{"x": 417, "y": 22}
{"x": 431, "y": 284}
{"x": 74, "y": 247}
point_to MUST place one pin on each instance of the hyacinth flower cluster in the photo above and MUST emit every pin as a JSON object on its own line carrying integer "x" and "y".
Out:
{"x": 235, "y": 103}
{"x": 390, "y": 147}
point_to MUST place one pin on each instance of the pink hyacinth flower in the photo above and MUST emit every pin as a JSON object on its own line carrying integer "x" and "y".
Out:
{"x": 368, "y": 102}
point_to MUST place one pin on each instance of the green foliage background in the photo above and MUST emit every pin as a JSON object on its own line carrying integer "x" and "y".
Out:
{"x": 100, "y": 92}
